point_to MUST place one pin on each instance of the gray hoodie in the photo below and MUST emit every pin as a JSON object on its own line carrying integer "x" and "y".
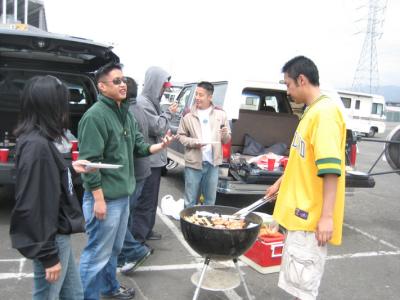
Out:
{"x": 142, "y": 164}
{"x": 158, "y": 122}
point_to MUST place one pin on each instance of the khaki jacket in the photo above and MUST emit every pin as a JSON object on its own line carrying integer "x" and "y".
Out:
{"x": 189, "y": 134}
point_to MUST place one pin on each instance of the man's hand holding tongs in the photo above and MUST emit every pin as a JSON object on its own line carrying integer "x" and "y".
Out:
{"x": 272, "y": 191}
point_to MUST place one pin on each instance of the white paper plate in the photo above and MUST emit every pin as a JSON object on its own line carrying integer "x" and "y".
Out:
{"x": 102, "y": 166}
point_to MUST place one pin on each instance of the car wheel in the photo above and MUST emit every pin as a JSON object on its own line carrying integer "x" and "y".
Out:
{"x": 371, "y": 132}
{"x": 171, "y": 165}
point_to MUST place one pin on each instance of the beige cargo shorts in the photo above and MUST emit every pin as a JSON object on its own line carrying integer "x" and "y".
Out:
{"x": 302, "y": 266}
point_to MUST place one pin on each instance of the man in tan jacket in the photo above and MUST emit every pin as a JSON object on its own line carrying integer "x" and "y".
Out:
{"x": 202, "y": 132}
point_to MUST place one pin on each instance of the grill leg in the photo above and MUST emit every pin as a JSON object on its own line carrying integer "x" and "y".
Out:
{"x": 196, "y": 293}
{"x": 242, "y": 279}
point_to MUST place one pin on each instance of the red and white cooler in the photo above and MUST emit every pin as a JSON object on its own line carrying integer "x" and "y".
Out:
{"x": 266, "y": 254}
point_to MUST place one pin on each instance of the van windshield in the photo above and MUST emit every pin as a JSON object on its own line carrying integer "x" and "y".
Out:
{"x": 264, "y": 100}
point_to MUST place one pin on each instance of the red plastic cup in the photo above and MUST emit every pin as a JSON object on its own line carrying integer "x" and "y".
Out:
{"x": 74, "y": 145}
{"x": 284, "y": 163}
{"x": 4, "y": 155}
{"x": 271, "y": 164}
{"x": 75, "y": 155}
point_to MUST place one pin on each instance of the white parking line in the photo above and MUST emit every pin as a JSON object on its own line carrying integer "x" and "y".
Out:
{"x": 231, "y": 265}
{"x": 18, "y": 276}
{"x": 177, "y": 233}
{"x": 197, "y": 266}
{"x": 370, "y": 236}
{"x": 21, "y": 266}
{"x": 363, "y": 254}
{"x": 138, "y": 290}
{"x": 232, "y": 294}
{"x": 13, "y": 260}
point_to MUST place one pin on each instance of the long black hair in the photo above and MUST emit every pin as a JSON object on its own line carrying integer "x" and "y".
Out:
{"x": 44, "y": 107}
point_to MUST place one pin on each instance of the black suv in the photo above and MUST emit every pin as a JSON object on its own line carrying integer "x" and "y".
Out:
{"x": 27, "y": 53}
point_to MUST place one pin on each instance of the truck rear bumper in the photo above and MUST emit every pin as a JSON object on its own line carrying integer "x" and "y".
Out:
{"x": 231, "y": 183}
{"x": 228, "y": 185}
{"x": 233, "y": 187}
{"x": 7, "y": 173}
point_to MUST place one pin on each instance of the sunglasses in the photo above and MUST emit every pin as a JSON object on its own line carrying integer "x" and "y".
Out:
{"x": 118, "y": 81}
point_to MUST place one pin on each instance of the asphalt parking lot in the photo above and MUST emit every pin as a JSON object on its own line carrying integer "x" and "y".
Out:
{"x": 366, "y": 266}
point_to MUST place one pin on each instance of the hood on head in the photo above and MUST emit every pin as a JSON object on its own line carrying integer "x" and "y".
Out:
{"x": 153, "y": 82}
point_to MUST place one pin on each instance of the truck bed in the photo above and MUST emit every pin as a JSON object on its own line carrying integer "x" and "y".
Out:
{"x": 267, "y": 128}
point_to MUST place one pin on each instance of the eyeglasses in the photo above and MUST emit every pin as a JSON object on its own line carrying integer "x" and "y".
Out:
{"x": 117, "y": 80}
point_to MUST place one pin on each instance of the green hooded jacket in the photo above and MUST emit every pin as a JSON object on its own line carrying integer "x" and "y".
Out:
{"x": 108, "y": 134}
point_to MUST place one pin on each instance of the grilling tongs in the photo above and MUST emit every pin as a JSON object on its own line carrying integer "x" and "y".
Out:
{"x": 248, "y": 209}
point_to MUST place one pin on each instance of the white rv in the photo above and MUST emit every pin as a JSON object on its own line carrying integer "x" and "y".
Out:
{"x": 365, "y": 112}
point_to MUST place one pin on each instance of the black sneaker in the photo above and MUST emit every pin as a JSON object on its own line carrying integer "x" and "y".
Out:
{"x": 154, "y": 236}
{"x": 130, "y": 267}
{"x": 121, "y": 293}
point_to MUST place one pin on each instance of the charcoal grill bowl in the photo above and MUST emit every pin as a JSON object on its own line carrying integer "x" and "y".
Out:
{"x": 219, "y": 244}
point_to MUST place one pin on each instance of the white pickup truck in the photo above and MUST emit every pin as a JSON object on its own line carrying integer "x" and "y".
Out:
{"x": 262, "y": 110}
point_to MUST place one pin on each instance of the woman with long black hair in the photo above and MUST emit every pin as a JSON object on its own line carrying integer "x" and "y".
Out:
{"x": 47, "y": 211}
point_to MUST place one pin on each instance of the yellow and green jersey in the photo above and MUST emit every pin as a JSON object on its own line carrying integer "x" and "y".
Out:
{"x": 318, "y": 148}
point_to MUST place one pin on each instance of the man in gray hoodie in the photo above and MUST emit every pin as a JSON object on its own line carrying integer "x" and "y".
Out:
{"x": 155, "y": 82}
{"x": 133, "y": 253}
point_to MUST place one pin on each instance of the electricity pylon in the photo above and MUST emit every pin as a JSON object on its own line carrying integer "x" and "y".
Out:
{"x": 366, "y": 77}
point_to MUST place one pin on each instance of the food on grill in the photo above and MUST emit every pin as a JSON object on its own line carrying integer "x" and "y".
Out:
{"x": 217, "y": 221}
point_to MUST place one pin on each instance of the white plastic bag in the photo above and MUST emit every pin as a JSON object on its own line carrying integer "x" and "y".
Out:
{"x": 170, "y": 207}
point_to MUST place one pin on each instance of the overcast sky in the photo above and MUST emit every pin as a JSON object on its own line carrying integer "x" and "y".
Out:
{"x": 218, "y": 39}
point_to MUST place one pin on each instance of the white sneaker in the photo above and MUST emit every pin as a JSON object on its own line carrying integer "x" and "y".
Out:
{"x": 130, "y": 267}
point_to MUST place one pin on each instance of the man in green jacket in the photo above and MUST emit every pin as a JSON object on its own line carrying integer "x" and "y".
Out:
{"x": 107, "y": 133}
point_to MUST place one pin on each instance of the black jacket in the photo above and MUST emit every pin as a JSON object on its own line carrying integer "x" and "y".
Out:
{"x": 46, "y": 202}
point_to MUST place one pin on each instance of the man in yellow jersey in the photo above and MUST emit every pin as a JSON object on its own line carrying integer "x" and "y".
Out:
{"x": 310, "y": 203}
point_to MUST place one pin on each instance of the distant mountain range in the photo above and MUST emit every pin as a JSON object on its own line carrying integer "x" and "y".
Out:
{"x": 390, "y": 92}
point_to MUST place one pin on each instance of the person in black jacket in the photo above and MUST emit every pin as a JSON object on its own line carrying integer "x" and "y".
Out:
{"x": 47, "y": 211}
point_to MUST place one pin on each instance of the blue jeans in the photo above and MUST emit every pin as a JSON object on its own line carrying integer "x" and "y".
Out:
{"x": 98, "y": 265}
{"x": 68, "y": 286}
{"x": 203, "y": 182}
{"x": 144, "y": 215}
{"x": 132, "y": 250}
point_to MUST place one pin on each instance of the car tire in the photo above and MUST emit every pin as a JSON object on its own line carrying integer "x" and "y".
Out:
{"x": 171, "y": 165}
{"x": 371, "y": 132}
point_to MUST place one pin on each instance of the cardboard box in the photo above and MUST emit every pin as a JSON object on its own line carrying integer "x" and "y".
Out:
{"x": 266, "y": 254}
